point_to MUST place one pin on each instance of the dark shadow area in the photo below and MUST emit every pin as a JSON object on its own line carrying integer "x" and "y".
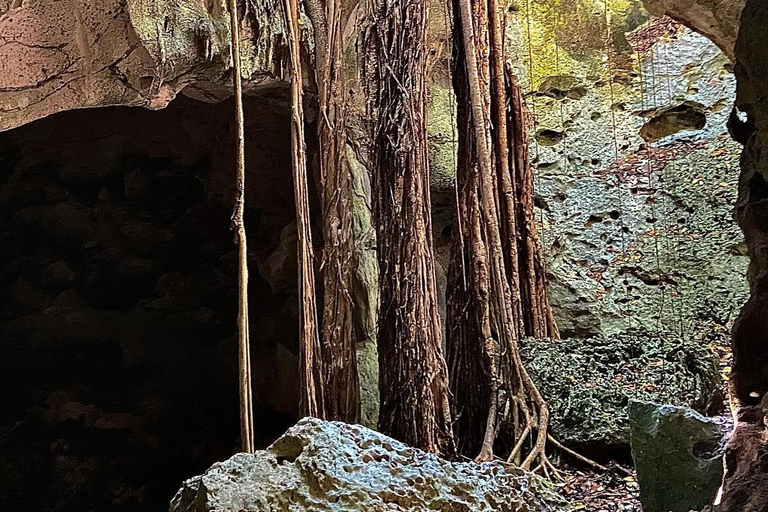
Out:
{"x": 118, "y": 300}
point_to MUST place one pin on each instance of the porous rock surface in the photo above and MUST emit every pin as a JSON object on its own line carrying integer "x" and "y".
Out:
{"x": 745, "y": 487}
{"x": 636, "y": 175}
{"x": 589, "y": 383}
{"x": 329, "y": 466}
{"x": 717, "y": 19}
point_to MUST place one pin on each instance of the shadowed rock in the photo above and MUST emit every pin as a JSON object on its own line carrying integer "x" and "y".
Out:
{"x": 590, "y": 382}
{"x": 678, "y": 454}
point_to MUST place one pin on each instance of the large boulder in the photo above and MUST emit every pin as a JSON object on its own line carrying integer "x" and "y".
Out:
{"x": 590, "y": 382}
{"x": 678, "y": 454}
{"x": 328, "y": 466}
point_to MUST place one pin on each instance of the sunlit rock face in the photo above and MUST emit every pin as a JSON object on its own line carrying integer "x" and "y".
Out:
{"x": 320, "y": 466}
{"x": 589, "y": 383}
{"x": 635, "y": 173}
{"x": 717, "y": 19}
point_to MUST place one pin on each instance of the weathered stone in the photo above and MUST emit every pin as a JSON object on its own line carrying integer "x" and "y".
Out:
{"x": 633, "y": 231}
{"x": 750, "y": 335}
{"x": 126, "y": 52}
{"x": 717, "y": 19}
{"x": 745, "y": 487}
{"x": 678, "y": 455}
{"x": 365, "y": 291}
{"x": 590, "y": 382}
{"x": 329, "y": 466}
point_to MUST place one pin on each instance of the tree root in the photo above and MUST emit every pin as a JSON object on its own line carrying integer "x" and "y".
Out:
{"x": 576, "y": 455}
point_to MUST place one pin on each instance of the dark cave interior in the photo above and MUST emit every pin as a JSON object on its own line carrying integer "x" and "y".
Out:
{"x": 118, "y": 300}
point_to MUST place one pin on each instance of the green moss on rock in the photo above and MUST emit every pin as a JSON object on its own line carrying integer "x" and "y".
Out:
{"x": 589, "y": 383}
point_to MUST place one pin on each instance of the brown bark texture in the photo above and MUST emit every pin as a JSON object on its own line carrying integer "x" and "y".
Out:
{"x": 413, "y": 374}
{"x": 473, "y": 377}
{"x": 339, "y": 360}
{"x": 503, "y": 287}
{"x": 310, "y": 358}
{"x": 539, "y": 320}
{"x": 238, "y": 226}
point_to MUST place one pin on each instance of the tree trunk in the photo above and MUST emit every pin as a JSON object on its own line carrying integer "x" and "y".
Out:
{"x": 341, "y": 385}
{"x": 413, "y": 374}
{"x": 502, "y": 228}
{"x": 539, "y": 320}
{"x": 310, "y": 358}
{"x": 470, "y": 346}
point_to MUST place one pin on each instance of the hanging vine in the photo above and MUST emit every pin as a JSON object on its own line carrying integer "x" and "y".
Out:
{"x": 338, "y": 334}
{"x": 238, "y": 226}
{"x": 413, "y": 376}
{"x": 505, "y": 298}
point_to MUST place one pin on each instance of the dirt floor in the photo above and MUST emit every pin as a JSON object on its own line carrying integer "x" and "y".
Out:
{"x": 612, "y": 491}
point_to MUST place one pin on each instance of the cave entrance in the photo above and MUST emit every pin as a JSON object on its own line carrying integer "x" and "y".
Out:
{"x": 118, "y": 278}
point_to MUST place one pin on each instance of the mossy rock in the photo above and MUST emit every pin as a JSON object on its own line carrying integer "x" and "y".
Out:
{"x": 589, "y": 383}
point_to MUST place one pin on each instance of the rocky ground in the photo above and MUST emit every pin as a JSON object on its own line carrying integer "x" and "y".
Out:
{"x": 590, "y": 382}
{"x": 617, "y": 490}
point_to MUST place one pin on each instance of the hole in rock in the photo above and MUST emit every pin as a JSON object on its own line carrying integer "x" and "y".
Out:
{"x": 118, "y": 281}
{"x": 549, "y": 137}
{"x": 687, "y": 116}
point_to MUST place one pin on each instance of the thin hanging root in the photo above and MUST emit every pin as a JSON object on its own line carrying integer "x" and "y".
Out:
{"x": 516, "y": 379}
{"x": 238, "y": 226}
{"x": 516, "y": 451}
{"x": 553, "y": 469}
{"x": 576, "y": 455}
{"x": 311, "y": 381}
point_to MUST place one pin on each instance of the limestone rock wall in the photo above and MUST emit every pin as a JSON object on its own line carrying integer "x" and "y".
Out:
{"x": 67, "y": 54}
{"x": 635, "y": 174}
{"x": 750, "y": 336}
{"x": 717, "y": 19}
